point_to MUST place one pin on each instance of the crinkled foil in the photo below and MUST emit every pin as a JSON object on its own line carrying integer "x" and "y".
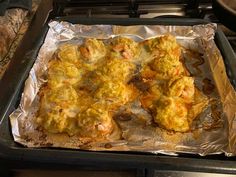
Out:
{"x": 214, "y": 131}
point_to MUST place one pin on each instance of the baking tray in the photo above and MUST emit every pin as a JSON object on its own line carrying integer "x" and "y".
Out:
{"x": 12, "y": 84}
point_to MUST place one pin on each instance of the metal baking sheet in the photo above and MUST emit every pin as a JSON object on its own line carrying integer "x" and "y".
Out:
{"x": 214, "y": 135}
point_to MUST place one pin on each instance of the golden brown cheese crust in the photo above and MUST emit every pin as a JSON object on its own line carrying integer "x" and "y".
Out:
{"x": 116, "y": 93}
{"x": 173, "y": 104}
{"x": 163, "y": 45}
{"x": 95, "y": 121}
{"x": 163, "y": 67}
{"x": 69, "y": 53}
{"x": 182, "y": 87}
{"x": 93, "y": 50}
{"x": 88, "y": 83}
{"x": 62, "y": 73}
{"x": 124, "y": 48}
{"x": 58, "y": 109}
{"x": 171, "y": 114}
{"x": 117, "y": 69}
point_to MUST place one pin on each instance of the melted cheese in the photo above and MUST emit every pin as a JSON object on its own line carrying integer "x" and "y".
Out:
{"x": 115, "y": 92}
{"x": 117, "y": 69}
{"x": 162, "y": 68}
{"x": 69, "y": 53}
{"x": 171, "y": 114}
{"x": 93, "y": 50}
{"x": 63, "y": 73}
{"x": 182, "y": 87}
{"x": 124, "y": 48}
{"x": 164, "y": 45}
{"x": 58, "y": 110}
{"x": 95, "y": 121}
{"x": 88, "y": 83}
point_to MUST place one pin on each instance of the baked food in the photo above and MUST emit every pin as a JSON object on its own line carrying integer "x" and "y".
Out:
{"x": 171, "y": 98}
{"x": 95, "y": 121}
{"x": 88, "y": 83}
{"x": 163, "y": 67}
{"x": 163, "y": 45}
{"x": 120, "y": 70}
{"x": 62, "y": 73}
{"x": 92, "y": 50}
{"x": 58, "y": 109}
{"x": 124, "y": 48}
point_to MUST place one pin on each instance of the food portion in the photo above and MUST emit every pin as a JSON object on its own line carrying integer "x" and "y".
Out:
{"x": 92, "y": 50}
{"x": 171, "y": 114}
{"x": 171, "y": 98}
{"x": 69, "y": 53}
{"x": 95, "y": 121}
{"x": 175, "y": 103}
{"x": 165, "y": 58}
{"x": 88, "y": 83}
{"x": 58, "y": 109}
{"x": 116, "y": 93}
{"x": 85, "y": 84}
{"x": 117, "y": 69}
{"x": 61, "y": 73}
{"x": 124, "y": 48}
{"x": 162, "y": 46}
{"x": 163, "y": 67}
{"x": 182, "y": 87}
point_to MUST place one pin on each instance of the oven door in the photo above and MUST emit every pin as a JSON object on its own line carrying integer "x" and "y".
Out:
{"x": 35, "y": 169}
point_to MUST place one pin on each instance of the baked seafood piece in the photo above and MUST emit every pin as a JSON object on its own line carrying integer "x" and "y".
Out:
{"x": 92, "y": 50}
{"x": 58, "y": 109}
{"x": 171, "y": 114}
{"x": 175, "y": 103}
{"x": 164, "y": 67}
{"x": 117, "y": 69}
{"x": 69, "y": 53}
{"x": 123, "y": 47}
{"x": 61, "y": 73}
{"x": 117, "y": 93}
{"x": 165, "y": 58}
{"x": 96, "y": 121}
{"x": 172, "y": 109}
{"x": 163, "y": 45}
{"x": 89, "y": 83}
{"x": 175, "y": 114}
{"x": 182, "y": 87}
{"x": 173, "y": 100}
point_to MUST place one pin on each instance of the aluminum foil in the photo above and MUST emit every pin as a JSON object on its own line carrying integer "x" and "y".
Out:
{"x": 214, "y": 131}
